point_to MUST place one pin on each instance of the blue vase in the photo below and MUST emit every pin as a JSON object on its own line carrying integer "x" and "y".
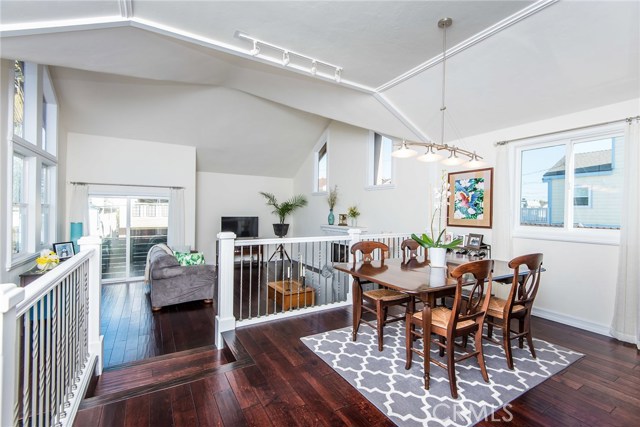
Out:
{"x": 331, "y": 218}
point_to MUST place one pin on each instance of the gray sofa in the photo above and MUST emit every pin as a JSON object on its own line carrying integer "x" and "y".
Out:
{"x": 172, "y": 283}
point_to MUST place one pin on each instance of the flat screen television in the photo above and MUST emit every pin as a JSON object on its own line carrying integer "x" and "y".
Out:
{"x": 242, "y": 226}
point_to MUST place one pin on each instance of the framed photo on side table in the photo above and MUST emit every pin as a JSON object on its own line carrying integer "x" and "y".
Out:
{"x": 64, "y": 250}
{"x": 471, "y": 199}
{"x": 474, "y": 240}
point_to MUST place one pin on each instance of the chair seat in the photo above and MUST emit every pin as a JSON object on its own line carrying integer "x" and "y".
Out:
{"x": 440, "y": 317}
{"x": 385, "y": 295}
{"x": 496, "y": 307}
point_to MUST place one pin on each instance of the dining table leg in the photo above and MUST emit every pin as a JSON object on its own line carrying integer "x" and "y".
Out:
{"x": 356, "y": 291}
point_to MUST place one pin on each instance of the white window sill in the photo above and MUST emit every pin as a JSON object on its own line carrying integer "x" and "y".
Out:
{"x": 319, "y": 193}
{"x": 596, "y": 237}
{"x": 21, "y": 260}
{"x": 380, "y": 187}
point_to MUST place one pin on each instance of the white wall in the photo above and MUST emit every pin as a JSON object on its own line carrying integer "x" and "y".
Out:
{"x": 237, "y": 195}
{"x": 104, "y": 160}
{"x": 579, "y": 285}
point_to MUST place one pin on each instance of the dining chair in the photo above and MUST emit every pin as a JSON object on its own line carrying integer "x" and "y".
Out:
{"x": 466, "y": 317}
{"x": 518, "y": 306}
{"x": 380, "y": 299}
{"x": 409, "y": 248}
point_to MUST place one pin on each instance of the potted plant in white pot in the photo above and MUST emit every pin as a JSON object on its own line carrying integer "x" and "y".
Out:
{"x": 283, "y": 210}
{"x": 435, "y": 243}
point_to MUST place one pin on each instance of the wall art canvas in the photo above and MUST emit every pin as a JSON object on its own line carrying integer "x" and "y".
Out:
{"x": 470, "y": 202}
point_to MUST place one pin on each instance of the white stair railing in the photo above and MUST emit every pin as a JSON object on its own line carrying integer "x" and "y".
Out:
{"x": 51, "y": 343}
{"x": 264, "y": 262}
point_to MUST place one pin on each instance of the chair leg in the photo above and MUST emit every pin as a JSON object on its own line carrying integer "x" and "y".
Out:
{"x": 465, "y": 340}
{"x": 480, "y": 356}
{"x": 506, "y": 343}
{"x": 489, "y": 326}
{"x": 380, "y": 321}
{"x": 521, "y": 330}
{"x": 527, "y": 326}
{"x": 441, "y": 349}
{"x": 451, "y": 369}
{"x": 409, "y": 327}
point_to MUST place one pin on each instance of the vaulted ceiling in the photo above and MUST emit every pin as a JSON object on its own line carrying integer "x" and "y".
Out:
{"x": 176, "y": 71}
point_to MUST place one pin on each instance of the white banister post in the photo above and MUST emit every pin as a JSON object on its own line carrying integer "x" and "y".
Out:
{"x": 10, "y": 296}
{"x": 88, "y": 243}
{"x": 224, "y": 318}
{"x": 354, "y": 237}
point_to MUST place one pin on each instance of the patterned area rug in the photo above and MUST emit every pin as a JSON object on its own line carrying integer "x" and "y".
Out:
{"x": 398, "y": 393}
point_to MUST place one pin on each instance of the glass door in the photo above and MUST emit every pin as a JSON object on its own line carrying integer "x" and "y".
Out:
{"x": 129, "y": 226}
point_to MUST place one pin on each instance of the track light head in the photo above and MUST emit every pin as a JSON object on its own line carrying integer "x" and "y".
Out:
{"x": 338, "y": 75}
{"x": 285, "y": 58}
{"x": 256, "y": 48}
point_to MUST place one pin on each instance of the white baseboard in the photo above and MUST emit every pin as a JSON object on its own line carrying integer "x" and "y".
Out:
{"x": 597, "y": 328}
{"x": 291, "y": 313}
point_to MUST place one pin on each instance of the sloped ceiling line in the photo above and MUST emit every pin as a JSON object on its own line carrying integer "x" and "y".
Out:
{"x": 401, "y": 116}
{"x": 471, "y": 41}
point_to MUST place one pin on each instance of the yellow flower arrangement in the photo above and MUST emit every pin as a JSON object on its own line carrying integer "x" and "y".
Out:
{"x": 47, "y": 260}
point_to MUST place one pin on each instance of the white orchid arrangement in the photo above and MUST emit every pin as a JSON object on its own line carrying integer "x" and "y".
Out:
{"x": 440, "y": 200}
{"x": 47, "y": 259}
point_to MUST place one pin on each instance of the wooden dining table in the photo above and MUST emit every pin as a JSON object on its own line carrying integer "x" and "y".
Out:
{"x": 415, "y": 277}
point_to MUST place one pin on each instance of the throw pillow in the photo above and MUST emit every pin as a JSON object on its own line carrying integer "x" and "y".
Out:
{"x": 185, "y": 258}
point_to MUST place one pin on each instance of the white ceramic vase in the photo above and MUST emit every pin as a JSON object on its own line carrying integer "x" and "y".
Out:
{"x": 437, "y": 257}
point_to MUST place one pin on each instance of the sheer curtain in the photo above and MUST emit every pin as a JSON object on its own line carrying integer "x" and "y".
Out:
{"x": 79, "y": 206}
{"x": 175, "y": 234}
{"x": 626, "y": 317}
{"x": 501, "y": 242}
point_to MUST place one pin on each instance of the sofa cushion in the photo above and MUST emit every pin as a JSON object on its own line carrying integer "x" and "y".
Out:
{"x": 186, "y": 259}
{"x": 163, "y": 260}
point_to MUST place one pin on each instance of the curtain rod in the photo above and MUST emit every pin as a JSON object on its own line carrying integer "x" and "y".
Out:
{"x": 125, "y": 185}
{"x": 626, "y": 119}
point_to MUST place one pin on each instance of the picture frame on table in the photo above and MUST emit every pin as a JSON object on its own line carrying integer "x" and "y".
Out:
{"x": 471, "y": 200}
{"x": 474, "y": 241}
{"x": 64, "y": 250}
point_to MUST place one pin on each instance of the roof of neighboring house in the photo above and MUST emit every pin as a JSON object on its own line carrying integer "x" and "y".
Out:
{"x": 593, "y": 161}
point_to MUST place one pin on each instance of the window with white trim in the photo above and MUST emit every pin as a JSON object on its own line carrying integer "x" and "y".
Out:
{"x": 32, "y": 146}
{"x": 572, "y": 181}
{"x": 321, "y": 164}
{"x": 380, "y": 161}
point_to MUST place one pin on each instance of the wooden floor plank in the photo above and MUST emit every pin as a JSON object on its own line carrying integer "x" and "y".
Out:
{"x": 280, "y": 382}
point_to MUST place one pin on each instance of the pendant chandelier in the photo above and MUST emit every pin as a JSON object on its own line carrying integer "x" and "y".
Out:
{"x": 456, "y": 155}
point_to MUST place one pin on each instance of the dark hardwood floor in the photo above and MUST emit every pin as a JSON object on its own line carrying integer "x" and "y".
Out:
{"x": 267, "y": 377}
{"x": 133, "y": 332}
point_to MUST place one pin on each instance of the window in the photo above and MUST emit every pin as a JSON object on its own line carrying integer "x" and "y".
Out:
{"x": 572, "y": 181}
{"x": 20, "y": 214}
{"x": 582, "y": 196}
{"x": 127, "y": 238}
{"x": 18, "y": 99}
{"x": 32, "y": 174}
{"x": 380, "y": 161}
{"x": 321, "y": 164}
{"x": 322, "y": 169}
{"x": 45, "y": 206}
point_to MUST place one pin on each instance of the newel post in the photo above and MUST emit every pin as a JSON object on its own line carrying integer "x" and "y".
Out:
{"x": 88, "y": 243}
{"x": 10, "y": 296}
{"x": 354, "y": 237}
{"x": 224, "y": 319}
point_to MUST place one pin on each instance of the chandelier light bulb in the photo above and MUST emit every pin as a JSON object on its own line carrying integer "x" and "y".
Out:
{"x": 475, "y": 162}
{"x": 404, "y": 152}
{"x": 430, "y": 155}
{"x": 453, "y": 159}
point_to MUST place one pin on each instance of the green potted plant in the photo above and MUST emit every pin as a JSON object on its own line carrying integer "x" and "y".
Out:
{"x": 332, "y": 199}
{"x": 436, "y": 243}
{"x": 353, "y": 213}
{"x": 283, "y": 210}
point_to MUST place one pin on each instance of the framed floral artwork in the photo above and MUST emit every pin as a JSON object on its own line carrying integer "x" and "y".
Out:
{"x": 471, "y": 199}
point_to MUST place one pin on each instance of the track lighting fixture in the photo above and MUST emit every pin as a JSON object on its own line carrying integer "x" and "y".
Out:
{"x": 315, "y": 67}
